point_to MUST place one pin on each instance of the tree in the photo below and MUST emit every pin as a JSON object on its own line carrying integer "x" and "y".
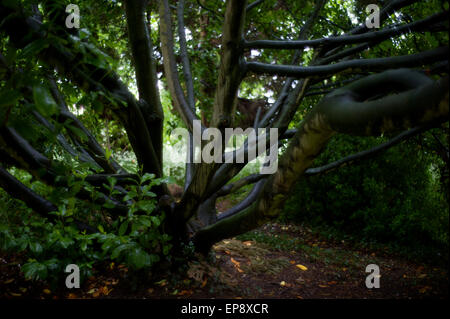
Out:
{"x": 369, "y": 81}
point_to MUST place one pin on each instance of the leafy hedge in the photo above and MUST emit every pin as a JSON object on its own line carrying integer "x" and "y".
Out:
{"x": 396, "y": 197}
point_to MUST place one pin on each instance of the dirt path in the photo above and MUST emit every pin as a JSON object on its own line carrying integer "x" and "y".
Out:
{"x": 283, "y": 262}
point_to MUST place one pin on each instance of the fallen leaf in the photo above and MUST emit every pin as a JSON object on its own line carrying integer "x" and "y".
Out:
{"x": 332, "y": 282}
{"x": 299, "y": 297}
{"x": 283, "y": 283}
{"x": 424, "y": 289}
{"x": 237, "y": 264}
{"x": 9, "y": 281}
{"x": 106, "y": 291}
{"x": 72, "y": 296}
{"x": 161, "y": 283}
{"x": 304, "y": 268}
{"x": 247, "y": 243}
{"x": 422, "y": 276}
{"x": 91, "y": 291}
{"x": 185, "y": 292}
{"x": 15, "y": 294}
{"x": 323, "y": 286}
{"x": 292, "y": 262}
{"x": 204, "y": 282}
{"x": 46, "y": 291}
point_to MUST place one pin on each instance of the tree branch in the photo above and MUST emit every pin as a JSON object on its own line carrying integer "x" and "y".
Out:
{"x": 252, "y": 5}
{"x": 349, "y": 39}
{"x": 141, "y": 49}
{"x": 170, "y": 67}
{"x": 375, "y": 64}
{"x": 367, "y": 153}
{"x": 184, "y": 56}
{"x": 40, "y": 205}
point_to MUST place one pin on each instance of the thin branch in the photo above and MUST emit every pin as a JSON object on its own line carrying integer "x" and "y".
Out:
{"x": 253, "y": 5}
{"x": 246, "y": 202}
{"x": 367, "y": 153}
{"x": 349, "y": 39}
{"x": 170, "y": 66}
{"x": 93, "y": 148}
{"x": 190, "y": 167}
{"x": 230, "y": 188}
{"x": 145, "y": 70}
{"x": 16, "y": 189}
{"x": 375, "y": 64}
{"x": 184, "y": 56}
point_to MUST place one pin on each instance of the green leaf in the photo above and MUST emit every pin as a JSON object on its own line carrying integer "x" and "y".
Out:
{"x": 123, "y": 228}
{"x": 35, "y": 270}
{"x": 35, "y": 247}
{"x": 145, "y": 221}
{"x": 118, "y": 250}
{"x": 101, "y": 229}
{"x": 65, "y": 242}
{"x": 147, "y": 177}
{"x": 138, "y": 258}
{"x": 155, "y": 220}
{"x": 34, "y": 48}
{"x": 45, "y": 104}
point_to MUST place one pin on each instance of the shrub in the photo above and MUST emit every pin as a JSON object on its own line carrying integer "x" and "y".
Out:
{"x": 136, "y": 240}
{"x": 393, "y": 198}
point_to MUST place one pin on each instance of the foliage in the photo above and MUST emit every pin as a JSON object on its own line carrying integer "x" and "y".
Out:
{"x": 136, "y": 240}
{"x": 395, "y": 198}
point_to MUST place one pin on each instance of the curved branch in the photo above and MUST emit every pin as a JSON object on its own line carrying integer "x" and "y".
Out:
{"x": 246, "y": 202}
{"x": 184, "y": 56}
{"x": 367, "y": 153}
{"x": 16, "y": 189}
{"x": 230, "y": 188}
{"x": 254, "y": 4}
{"x": 93, "y": 148}
{"x": 144, "y": 64}
{"x": 349, "y": 39}
{"x": 170, "y": 67}
{"x": 376, "y": 64}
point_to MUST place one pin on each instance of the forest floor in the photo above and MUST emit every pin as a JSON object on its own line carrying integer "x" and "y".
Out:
{"x": 284, "y": 261}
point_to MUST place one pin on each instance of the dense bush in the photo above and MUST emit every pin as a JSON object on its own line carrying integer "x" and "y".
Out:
{"x": 396, "y": 197}
{"x": 136, "y": 240}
